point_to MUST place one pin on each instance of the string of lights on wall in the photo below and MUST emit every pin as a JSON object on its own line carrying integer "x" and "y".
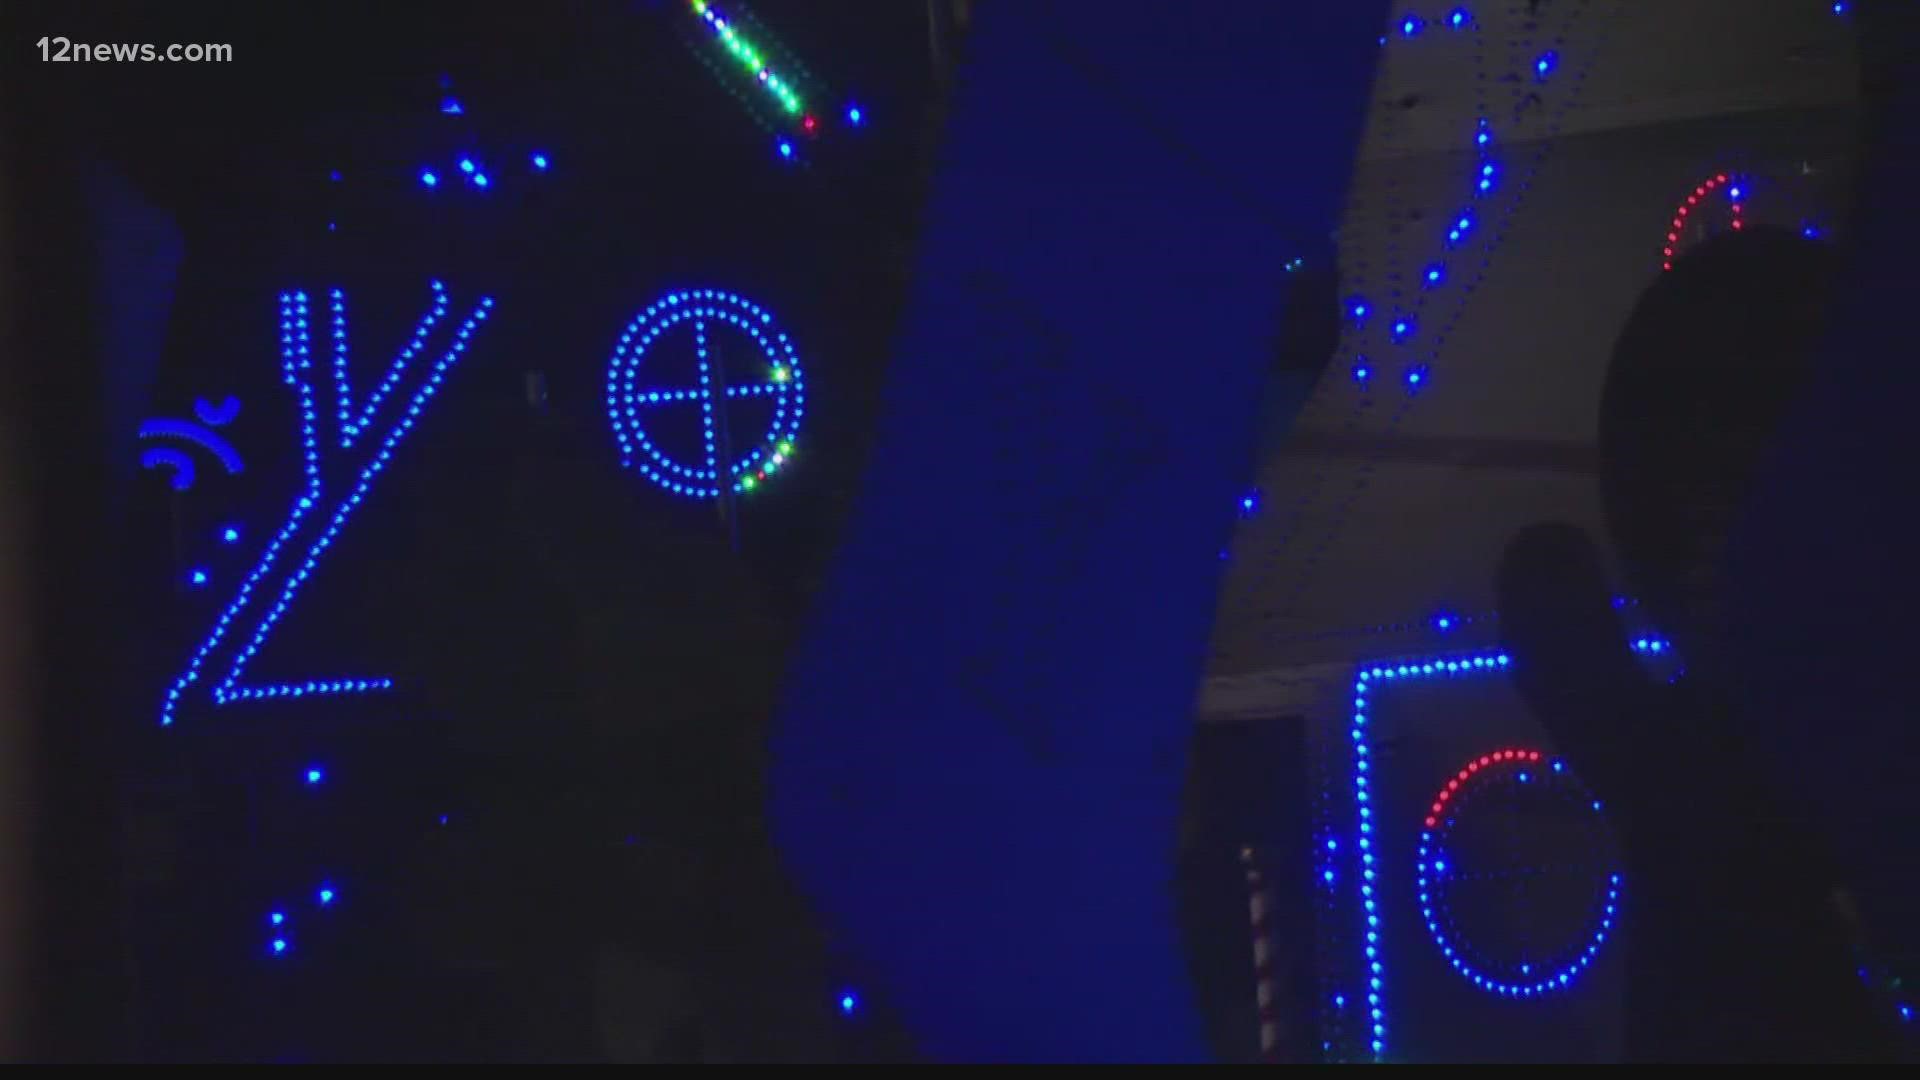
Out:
{"x": 1546, "y": 77}
{"x": 296, "y": 364}
{"x": 1482, "y": 213}
{"x": 1700, "y": 199}
{"x": 767, "y": 78}
{"x": 1437, "y": 868}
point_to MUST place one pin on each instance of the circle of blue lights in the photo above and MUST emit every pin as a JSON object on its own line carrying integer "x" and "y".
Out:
{"x": 627, "y": 400}
{"x": 1431, "y": 877}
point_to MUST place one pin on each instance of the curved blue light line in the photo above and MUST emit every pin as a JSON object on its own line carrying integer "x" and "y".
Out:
{"x": 217, "y": 416}
{"x": 167, "y": 455}
{"x": 199, "y": 436}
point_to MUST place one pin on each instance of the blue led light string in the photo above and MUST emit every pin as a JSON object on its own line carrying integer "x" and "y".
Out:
{"x": 1493, "y": 236}
{"x": 1373, "y": 970}
{"x": 339, "y": 520}
{"x": 1481, "y": 218}
{"x": 1416, "y": 373}
{"x": 435, "y": 312}
{"x": 295, "y": 357}
{"x": 296, "y": 363}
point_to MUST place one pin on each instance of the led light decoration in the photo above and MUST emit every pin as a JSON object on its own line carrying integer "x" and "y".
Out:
{"x": 1436, "y": 865}
{"x": 308, "y": 516}
{"x": 199, "y": 435}
{"x": 766, "y": 77}
{"x": 1530, "y": 777}
{"x": 701, "y": 314}
{"x": 1701, "y": 196}
{"x": 750, "y": 58}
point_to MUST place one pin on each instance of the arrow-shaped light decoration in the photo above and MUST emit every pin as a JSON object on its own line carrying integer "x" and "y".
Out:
{"x": 275, "y": 580}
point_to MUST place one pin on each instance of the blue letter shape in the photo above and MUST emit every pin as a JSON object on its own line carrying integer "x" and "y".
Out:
{"x": 296, "y": 365}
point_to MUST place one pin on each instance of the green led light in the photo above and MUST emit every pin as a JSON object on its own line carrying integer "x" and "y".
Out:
{"x": 785, "y": 447}
{"x": 780, "y": 374}
{"x": 749, "y": 57}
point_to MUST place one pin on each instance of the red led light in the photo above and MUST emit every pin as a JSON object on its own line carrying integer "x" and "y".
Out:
{"x": 1453, "y": 786}
{"x": 808, "y": 123}
{"x": 1680, "y": 213}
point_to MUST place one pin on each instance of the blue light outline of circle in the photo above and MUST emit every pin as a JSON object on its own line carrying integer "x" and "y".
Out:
{"x": 1558, "y": 980}
{"x": 624, "y": 396}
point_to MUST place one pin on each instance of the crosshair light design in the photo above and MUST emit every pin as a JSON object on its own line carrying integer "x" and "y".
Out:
{"x": 721, "y": 327}
{"x": 1525, "y": 780}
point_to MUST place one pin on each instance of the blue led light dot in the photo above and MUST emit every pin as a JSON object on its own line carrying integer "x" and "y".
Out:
{"x": 539, "y": 161}
{"x": 428, "y": 179}
{"x": 315, "y": 775}
{"x": 197, "y": 577}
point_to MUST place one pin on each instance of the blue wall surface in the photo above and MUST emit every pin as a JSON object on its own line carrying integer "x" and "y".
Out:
{"x": 979, "y": 762}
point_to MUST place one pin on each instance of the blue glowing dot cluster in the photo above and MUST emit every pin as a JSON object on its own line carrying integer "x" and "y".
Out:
{"x": 702, "y": 312}
{"x": 1434, "y": 875}
{"x": 296, "y": 366}
{"x": 280, "y": 940}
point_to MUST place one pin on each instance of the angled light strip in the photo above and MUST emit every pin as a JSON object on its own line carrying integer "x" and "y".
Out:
{"x": 296, "y": 363}
{"x": 1367, "y": 678}
{"x": 350, "y": 430}
{"x": 750, "y": 59}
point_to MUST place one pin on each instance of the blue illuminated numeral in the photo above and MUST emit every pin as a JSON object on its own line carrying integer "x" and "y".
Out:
{"x": 310, "y": 520}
